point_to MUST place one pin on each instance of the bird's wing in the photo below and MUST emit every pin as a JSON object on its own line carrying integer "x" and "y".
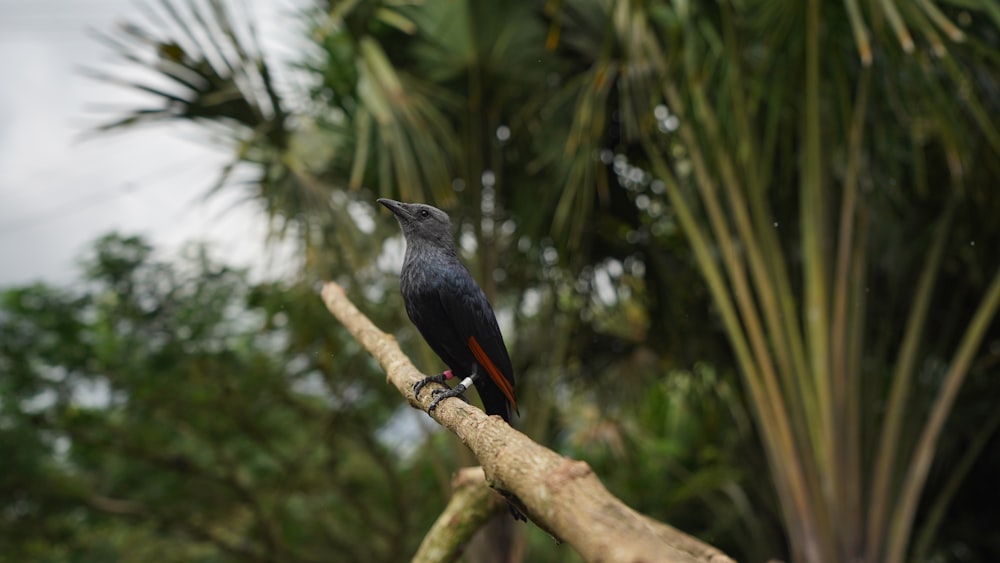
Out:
{"x": 473, "y": 318}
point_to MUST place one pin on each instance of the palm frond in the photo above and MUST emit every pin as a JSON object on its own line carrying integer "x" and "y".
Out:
{"x": 198, "y": 67}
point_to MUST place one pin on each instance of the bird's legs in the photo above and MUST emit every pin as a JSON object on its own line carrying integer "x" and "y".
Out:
{"x": 439, "y": 378}
{"x": 456, "y": 391}
{"x": 442, "y": 394}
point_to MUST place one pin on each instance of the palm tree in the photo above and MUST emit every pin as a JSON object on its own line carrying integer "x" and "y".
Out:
{"x": 827, "y": 165}
{"x": 757, "y": 121}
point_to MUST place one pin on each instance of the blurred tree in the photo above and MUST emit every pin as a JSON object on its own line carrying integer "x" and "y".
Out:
{"x": 178, "y": 412}
{"x": 823, "y": 166}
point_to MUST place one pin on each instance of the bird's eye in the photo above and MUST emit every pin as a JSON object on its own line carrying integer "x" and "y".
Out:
{"x": 424, "y": 213}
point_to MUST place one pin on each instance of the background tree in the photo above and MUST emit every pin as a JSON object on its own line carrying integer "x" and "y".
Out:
{"x": 798, "y": 194}
{"x": 176, "y": 410}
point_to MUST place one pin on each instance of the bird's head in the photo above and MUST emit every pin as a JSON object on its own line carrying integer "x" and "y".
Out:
{"x": 422, "y": 223}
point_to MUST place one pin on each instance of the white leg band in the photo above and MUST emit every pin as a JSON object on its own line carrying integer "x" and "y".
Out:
{"x": 467, "y": 382}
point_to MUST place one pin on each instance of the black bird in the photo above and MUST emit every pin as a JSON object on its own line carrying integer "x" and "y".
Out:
{"x": 451, "y": 311}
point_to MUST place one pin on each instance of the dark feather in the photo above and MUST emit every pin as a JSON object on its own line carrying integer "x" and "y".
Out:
{"x": 449, "y": 308}
{"x": 471, "y": 314}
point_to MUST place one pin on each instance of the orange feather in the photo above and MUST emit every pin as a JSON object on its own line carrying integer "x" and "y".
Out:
{"x": 493, "y": 372}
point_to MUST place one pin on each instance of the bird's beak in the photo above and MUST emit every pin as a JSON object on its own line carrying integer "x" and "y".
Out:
{"x": 396, "y": 207}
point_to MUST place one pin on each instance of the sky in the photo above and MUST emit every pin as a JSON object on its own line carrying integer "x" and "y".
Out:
{"x": 61, "y": 189}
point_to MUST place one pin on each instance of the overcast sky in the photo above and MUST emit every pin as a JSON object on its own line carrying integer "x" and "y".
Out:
{"x": 59, "y": 192}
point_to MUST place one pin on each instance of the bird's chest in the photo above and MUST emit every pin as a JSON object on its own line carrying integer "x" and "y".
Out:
{"x": 421, "y": 289}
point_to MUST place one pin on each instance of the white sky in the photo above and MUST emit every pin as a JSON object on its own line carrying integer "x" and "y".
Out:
{"x": 59, "y": 192}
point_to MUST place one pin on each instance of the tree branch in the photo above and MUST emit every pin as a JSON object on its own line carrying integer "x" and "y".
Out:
{"x": 472, "y": 504}
{"x": 561, "y": 495}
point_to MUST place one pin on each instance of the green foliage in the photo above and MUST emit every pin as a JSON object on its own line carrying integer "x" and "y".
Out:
{"x": 684, "y": 452}
{"x": 179, "y": 409}
{"x": 798, "y": 194}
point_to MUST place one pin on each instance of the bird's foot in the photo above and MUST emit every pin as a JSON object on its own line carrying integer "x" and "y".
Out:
{"x": 439, "y": 378}
{"x": 515, "y": 506}
{"x": 442, "y": 394}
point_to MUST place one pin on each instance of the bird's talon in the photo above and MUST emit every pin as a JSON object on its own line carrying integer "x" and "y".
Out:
{"x": 434, "y": 404}
{"x": 439, "y": 378}
{"x": 418, "y": 386}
